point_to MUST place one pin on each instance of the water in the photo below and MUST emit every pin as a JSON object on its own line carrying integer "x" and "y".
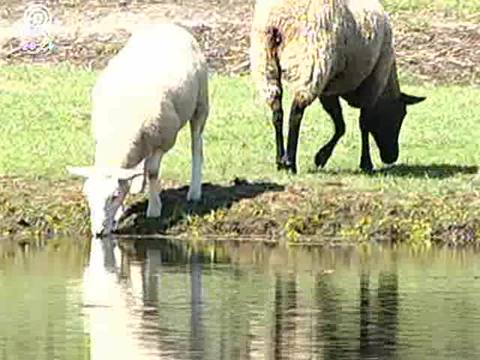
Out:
{"x": 166, "y": 300}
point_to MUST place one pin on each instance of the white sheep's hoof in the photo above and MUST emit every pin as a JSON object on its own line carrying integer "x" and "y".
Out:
{"x": 194, "y": 195}
{"x": 154, "y": 210}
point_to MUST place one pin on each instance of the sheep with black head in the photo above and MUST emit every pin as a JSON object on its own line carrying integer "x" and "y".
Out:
{"x": 329, "y": 49}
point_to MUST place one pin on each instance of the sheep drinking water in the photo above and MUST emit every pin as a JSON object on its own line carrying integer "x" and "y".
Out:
{"x": 329, "y": 49}
{"x": 145, "y": 95}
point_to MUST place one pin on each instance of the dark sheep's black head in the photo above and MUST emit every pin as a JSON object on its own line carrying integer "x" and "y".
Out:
{"x": 384, "y": 122}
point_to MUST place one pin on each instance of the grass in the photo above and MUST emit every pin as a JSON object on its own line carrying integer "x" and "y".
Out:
{"x": 45, "y": 127}
{"x": 457, "y": 8}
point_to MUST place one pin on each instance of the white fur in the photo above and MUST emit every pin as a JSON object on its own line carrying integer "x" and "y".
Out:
{"x": 145, "y": 95}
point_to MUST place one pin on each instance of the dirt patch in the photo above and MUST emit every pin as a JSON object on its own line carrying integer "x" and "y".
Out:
{"x": 443, "y": 53}
{"x": 89, "y": 33}
{"x": 41, "y": 209}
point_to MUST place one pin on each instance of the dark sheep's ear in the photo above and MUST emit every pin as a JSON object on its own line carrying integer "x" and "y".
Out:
{"x": 411, "y": 100}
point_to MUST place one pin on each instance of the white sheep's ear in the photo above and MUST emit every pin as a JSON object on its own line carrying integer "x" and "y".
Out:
{"x": 118, "y": 173}
{"x": 83, "y": 171}
{"x": 124, "y": 174}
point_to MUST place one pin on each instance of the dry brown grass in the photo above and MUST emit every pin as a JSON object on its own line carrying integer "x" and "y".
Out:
{"x": 429, "y": 45}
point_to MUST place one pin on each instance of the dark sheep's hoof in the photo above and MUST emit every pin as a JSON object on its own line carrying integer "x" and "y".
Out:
{"x": 280, "y": 166}
{"x": 367, "y": 169}
{"x": 321, "y": 159}
{"x": 285, "y": 164}
{"x": 388, "y": 166}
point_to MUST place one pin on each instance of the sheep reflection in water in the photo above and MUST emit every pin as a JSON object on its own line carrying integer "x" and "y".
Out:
{"x": 120, "y": 299}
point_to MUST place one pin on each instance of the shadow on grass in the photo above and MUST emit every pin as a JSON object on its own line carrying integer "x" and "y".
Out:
{"x": 432, "y": 171}
{"x": 175, "y": 206}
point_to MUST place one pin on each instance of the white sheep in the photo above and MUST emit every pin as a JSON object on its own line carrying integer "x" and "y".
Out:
{"x": 155, "y": 84}
{"x": 328, "y": 49}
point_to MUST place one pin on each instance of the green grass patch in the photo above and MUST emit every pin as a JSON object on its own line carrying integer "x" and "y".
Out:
{"x": 46, "y": 126}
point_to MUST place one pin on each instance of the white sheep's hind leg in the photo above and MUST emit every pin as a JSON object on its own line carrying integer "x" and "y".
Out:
{"x": 139, "y": 183}
{"x": 152, "y": 166}
{"x": 195, "y": 190}
{"x": 196, "y": 132}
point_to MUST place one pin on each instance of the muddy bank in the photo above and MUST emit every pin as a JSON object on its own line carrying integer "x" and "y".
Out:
{"x": 240, "y": 209}
{"x": 431, "y": 46}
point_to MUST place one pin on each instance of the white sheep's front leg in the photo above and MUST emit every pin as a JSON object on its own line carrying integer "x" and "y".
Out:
{"x": 152, "y": 166}
{"x": 196, "y": 130}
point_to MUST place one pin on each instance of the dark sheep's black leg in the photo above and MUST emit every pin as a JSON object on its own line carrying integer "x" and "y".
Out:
{"x": 289, "y": 160}
{"x": 331, "y": 104}
{"x": 279, "y": 142}
{"x": 365, "y": 159}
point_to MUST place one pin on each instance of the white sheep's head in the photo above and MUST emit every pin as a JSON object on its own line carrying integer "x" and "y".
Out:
{"x": 105, "y": 190}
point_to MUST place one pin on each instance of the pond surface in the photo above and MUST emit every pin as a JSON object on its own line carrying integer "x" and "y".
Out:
{"x": 158, "y": 299}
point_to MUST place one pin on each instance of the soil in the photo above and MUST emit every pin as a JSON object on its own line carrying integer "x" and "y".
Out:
{"x": 88, "y": 33}
{"x": 243, "y": 209}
